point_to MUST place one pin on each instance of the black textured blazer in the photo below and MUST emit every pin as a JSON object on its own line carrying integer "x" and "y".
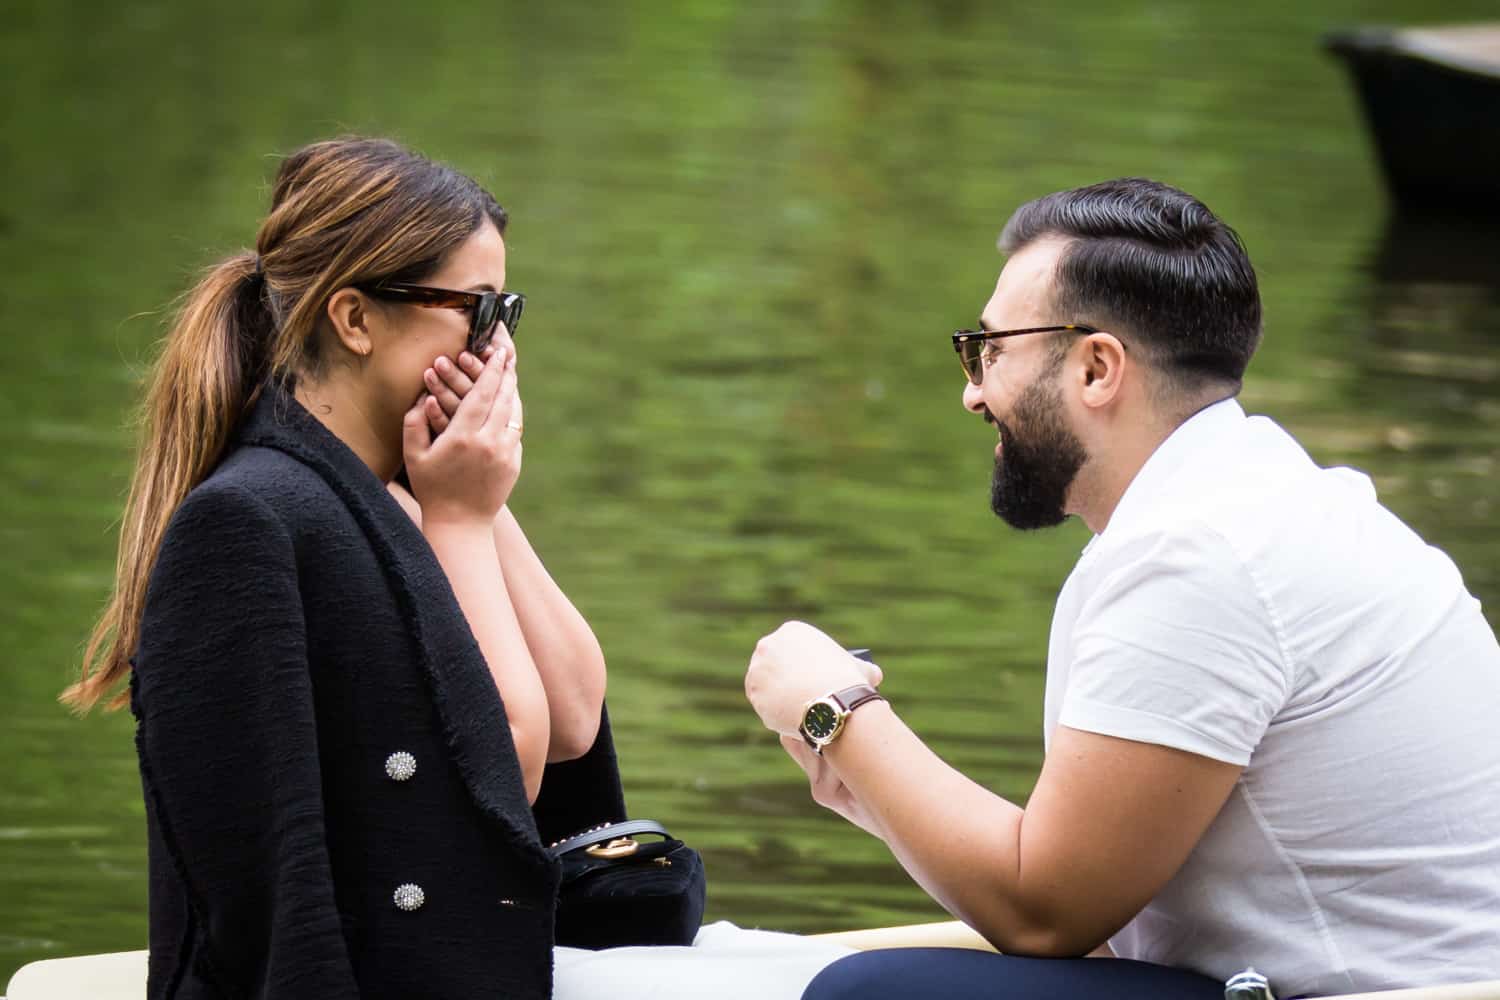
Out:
{"x": 334, "y": 807}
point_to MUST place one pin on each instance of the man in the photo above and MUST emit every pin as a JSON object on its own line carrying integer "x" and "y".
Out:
{"x": 1270, "y": 709}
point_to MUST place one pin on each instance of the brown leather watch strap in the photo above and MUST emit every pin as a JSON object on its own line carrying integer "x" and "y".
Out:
{"x": 853, "y": 697}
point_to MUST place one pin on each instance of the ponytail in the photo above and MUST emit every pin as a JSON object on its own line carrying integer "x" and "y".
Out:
{"x": 343, "y": 212}
{"x": 210, "y": 368}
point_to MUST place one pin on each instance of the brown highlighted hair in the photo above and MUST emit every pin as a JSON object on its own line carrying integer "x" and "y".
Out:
{"x": 343, "y": 212}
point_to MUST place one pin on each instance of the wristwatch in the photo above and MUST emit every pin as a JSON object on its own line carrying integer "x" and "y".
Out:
{"x": 823, "y": 718}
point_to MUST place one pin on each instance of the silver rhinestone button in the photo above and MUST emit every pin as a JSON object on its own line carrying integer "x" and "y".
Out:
{"x": 400, "y": 765}
{"x": 409, "y": 897}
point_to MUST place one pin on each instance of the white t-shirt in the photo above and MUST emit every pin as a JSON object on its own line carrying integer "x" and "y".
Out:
{"x": 1246, "y": 605}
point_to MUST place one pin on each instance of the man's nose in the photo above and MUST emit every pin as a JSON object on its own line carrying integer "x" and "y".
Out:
{"x": 973, "y": 401}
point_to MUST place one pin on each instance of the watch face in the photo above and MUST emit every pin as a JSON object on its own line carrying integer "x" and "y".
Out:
{"x": 820, "y": 720}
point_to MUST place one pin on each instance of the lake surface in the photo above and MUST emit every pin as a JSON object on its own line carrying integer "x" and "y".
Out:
{"x": 745, "y": 232}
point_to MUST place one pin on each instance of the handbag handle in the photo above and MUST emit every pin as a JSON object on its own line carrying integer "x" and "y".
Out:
{"x": 607, "y": 832}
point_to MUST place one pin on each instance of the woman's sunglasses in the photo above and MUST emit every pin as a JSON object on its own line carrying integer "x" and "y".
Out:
{"x": 487, "y": 310}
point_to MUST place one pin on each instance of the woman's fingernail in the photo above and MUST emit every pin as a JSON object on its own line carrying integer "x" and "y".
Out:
{"x": 443, "y": 364}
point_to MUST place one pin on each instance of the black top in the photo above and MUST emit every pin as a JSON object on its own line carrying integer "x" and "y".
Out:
{"x": 298, "y": 632}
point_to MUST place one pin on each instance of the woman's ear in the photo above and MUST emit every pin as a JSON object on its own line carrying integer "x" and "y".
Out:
{"x": 349, "y": 314}
{"x": 1103, "y": 368}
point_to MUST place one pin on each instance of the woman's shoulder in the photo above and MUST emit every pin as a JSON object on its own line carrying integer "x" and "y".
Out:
{"x": 254, "y": 490}
{"x": 273, "y": 477}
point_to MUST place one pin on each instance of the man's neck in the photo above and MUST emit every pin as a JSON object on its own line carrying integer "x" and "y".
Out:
{"x": 342, "y": 411}
{"x": 1103, "y": 481}
{"x": 1119, "y": 459}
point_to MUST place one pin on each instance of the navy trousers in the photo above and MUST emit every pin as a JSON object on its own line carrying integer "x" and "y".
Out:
{"x": 964, "y": 974}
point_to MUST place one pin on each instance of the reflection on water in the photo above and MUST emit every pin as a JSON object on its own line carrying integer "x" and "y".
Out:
{"x": 1429, "y": 367}
{"x": 745, "y": 231}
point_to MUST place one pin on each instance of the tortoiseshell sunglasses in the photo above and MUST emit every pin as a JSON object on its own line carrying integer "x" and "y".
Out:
{"x": 487, "y": 310}
{"x": 970, "y": 344}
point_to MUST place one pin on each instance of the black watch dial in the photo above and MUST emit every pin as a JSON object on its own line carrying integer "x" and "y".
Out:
{"x": 820, "y": 720}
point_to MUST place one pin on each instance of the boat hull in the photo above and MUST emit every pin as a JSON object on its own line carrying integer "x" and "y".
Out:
{"x": 122, "y": 976}
{"x": 1435, "y": 121}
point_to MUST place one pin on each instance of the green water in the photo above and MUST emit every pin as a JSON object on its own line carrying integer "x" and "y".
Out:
{"x": 745, "y": 232}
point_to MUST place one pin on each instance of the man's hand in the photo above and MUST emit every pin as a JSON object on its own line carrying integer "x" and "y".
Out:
{"x": 794, "y": 665}
{"x": 828, "y": 790}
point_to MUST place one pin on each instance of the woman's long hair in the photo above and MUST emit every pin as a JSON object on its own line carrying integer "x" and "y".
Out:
{"x": 343, "y": 212}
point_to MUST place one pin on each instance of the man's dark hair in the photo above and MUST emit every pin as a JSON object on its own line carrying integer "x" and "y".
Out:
{"x": 1154, "y": 263}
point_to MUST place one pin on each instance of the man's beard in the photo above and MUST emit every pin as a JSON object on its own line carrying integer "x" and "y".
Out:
{"x": 1039, "y": 458}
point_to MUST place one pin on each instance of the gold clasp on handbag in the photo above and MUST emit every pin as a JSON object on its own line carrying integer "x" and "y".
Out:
{"x": 620, "y": 847}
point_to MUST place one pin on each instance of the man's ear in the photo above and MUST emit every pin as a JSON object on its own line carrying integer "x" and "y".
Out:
{"x": 1103, "y": 370}
{"x": 349, "y": 315}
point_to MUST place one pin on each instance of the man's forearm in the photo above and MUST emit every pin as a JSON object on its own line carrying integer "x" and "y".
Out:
{"x": 957, "y": 839}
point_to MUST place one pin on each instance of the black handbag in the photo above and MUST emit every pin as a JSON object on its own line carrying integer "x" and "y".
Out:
{"x": 617, "y": 890}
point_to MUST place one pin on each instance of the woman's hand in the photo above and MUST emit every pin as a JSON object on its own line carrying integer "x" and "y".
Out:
{"x": 466, "y": 473}
{"x": 448, "y": 383}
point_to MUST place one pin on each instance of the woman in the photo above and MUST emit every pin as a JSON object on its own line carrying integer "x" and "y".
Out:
{"x": 343, "y": 719}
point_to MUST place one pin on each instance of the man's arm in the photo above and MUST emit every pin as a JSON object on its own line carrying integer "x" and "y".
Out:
{"x": 1109, "y": 822}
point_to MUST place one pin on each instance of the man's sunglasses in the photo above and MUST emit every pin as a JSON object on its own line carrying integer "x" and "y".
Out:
{"x": 970, "y": 344}
{"x": 487, "y": 310}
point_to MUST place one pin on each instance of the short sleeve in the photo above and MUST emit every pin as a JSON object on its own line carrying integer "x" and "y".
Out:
{"x": 1176, "y": 647}
{"x": 227, "y": 738}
